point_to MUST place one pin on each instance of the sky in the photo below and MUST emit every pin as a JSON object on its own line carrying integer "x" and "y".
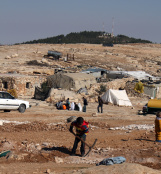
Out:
{"x": 26, "y": 20}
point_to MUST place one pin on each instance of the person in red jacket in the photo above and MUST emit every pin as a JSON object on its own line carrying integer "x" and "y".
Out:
{"x": 82, "y": 129}
{"x": 158, "y": 127}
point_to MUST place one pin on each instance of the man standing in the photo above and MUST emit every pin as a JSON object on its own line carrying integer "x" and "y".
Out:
{"x": 100, "y": 104}
{"x": 85, "y": 104}
{"x": 82, "y": 128}
{"x": 67, "y": 103}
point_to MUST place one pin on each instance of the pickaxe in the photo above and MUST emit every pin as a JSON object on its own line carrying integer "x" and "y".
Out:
{"x": 90, "y": 147}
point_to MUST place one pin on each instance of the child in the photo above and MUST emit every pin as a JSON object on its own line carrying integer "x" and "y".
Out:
{"x": 82, "y": 128}
{"x": 158, "y": 127}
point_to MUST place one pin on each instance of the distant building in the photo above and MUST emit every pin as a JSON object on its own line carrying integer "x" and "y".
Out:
{"x": 23, "y": 84}
{"x": 96, "y": 72}
{"x": 139, "y": 75}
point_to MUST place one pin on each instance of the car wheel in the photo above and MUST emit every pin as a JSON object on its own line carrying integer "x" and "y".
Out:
{"x": 144, "y": 113}
{"x": 22, "y": 108}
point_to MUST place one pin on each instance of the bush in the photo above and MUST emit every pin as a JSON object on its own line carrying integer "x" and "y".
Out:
{"x": 102, "y": 89}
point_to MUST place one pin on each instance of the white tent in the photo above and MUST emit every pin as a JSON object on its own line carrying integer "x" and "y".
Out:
{"x": 116, "y": 97}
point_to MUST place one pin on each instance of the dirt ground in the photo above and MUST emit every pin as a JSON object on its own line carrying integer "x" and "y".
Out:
{"x": 40, "y": 142}
{"x": 129, "y": 57}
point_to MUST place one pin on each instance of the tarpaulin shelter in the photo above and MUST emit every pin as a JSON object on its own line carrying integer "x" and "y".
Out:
{"x": 116, "y": 97}
{"x": 71, "y": 80}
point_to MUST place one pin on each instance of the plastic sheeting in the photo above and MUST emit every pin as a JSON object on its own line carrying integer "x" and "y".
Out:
{"x": 111, "y": 161}
{"x": 116, "y": 97}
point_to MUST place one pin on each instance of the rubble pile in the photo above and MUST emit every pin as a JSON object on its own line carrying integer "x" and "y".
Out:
{"x": 32, "y": 152}
{"x": 34, "y": 126}
{"x": 134, "y": 127}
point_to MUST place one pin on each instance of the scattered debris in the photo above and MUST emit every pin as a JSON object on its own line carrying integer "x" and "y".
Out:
{"x": 134, "y": 127}
{"x": 111, "y": 161}
{"x": 4, "y": 153}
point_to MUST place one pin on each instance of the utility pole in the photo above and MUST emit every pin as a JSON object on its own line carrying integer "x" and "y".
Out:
{"x": 112, "y": 26}
{"x": 103, "y": 27}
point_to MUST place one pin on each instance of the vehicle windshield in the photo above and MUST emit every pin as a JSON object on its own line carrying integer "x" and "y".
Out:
{"x": 6, "y": 96}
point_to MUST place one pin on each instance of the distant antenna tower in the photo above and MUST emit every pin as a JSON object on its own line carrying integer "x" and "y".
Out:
{"x": 112, "y": 26}
{"x": 103, "y": 27}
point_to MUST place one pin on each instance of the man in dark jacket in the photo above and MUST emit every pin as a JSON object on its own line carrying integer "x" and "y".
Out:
{"x": 100, "y": 104}
{"x": 82, "y": 128}
{"x": 85, "y": 104}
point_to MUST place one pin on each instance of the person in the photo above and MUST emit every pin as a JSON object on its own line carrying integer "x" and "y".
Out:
{"x": 59, "y": 105}
{"x": 67, "y": 104}
{"x": 76, "y": 107}
{"x": 158, "y": 127}
{"x": 85, "y": 104}
{"x": 80, "y": 107}
{"x": 100, "y": 104}
{"x": 82, "y": 129}
{"x": 72, "y": 106}
{"x": 64, "y": 107}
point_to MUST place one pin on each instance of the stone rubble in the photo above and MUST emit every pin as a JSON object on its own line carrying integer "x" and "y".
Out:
{"x": 134, "y": 127}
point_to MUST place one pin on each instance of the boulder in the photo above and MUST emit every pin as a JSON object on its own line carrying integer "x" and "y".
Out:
{"x": 56, "y": 95}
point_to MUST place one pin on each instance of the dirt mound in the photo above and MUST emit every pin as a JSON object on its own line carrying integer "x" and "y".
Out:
{"x": 125, "y": 168}
{"x": 34, "y": 126}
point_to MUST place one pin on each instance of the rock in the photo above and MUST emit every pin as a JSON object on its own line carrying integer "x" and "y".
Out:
{"x": 44, "y": 71}
{"x": 48, "y": 171}
{"x": 45, "y": 155}
{"x": 1, "y": 122}
{"x": 38, "y": 147}
{"x": 24, "y": 142}
{"x": 58, "y": 160}
{"x": 72, "y": 118}
{"x": 7, "y": 57}
{"x": 94, "y": 114}
{"x": 45, "y": 61}
{"x": 45, "y": 144}
{"x": 8, "y": 145}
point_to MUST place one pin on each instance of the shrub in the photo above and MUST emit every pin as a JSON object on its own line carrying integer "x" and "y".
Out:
{"x": 102, "y": 89}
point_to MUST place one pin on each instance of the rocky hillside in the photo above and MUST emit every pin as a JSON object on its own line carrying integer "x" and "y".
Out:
{"x": 29, "y": 58}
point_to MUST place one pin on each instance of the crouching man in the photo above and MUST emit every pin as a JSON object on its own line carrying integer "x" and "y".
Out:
{"x": 82, "y": 129}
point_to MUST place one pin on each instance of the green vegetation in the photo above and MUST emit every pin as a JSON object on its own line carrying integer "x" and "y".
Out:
{"x": 102, "y": 89}
{"x": 92, "y": 37}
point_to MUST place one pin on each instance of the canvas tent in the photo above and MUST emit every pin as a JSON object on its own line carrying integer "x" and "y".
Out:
{"x": 70, "y": 80}
{"x": 116, "y": 97}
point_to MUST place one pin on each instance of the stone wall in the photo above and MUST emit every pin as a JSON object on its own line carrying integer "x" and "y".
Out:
{"x": 24, "y": 85}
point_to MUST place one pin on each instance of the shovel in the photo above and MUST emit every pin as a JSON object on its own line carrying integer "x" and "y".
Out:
{"x": 90, "y": 147}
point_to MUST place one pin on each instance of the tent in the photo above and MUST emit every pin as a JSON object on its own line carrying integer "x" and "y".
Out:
{"x": 116, "y": 97}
